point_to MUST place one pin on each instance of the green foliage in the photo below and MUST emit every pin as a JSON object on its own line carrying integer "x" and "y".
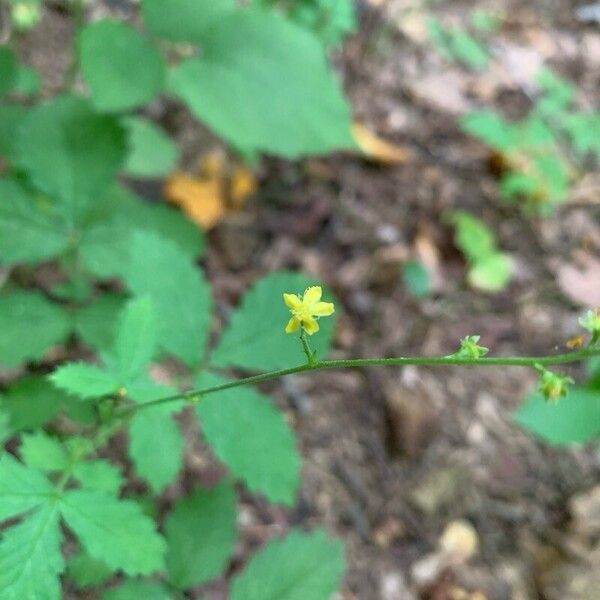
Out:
{"x": 292, "y": 105}
{"x": 416, "y": 279}
{"x": 489, "y": 269}
{"x": 200, "y": 533}
{"x": 128, "y": 75}
{"x": 85, "y": 572}
{"x": 8, "y": 70}
{"x": 30, "y": 326}
{"x": 297, "y": 567}
{"x": 43, "y": 452}
{"x": 137, "y": 588}
{"x": 151, "y": 151}
{"x": 252, "y": 438}
{"x": 253, "y": 339}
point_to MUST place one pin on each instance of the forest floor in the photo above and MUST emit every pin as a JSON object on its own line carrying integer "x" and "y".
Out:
{"x": 393, "y": 456}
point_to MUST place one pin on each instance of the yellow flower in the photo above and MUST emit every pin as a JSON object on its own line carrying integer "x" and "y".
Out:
{"x": 305, "y": 309}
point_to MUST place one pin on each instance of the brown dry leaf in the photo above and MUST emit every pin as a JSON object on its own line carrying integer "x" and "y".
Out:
{"x": 219, "y": 190}
{"x": 581, "y": 282}
{"x": 378, "y": 149}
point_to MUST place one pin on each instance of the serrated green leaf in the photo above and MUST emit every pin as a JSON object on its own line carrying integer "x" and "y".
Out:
{"x": 152, "y": 153}
{"x": 574, "y": 419}
{"x": 98, "y": 475}
{"x": 11, "y": 117}
{"x": 264, "y": 85}
{"x": 182, "y": 20}
{"x": 135, "y": 341}
{"x": 41, "y": 451}
{"x": 181, "y": 295}
{"x": 86, "y": 572}
{"x": 492, "y": 273}
{"x": 298, "y": 567}
{"x": 135, "y": 589}
{"x": 255, "y": 337}
{"x": 30, "y": 231}
{"x": 30, "y": 326}
{"x": 96, "y": 323}
{"x": 8, "y": 69}
{"x": 200, "y": 533}
{"x": 85, "y": 380}
{"x": 30, "y": 557}
{"x": 71, "y": 153}
{"x": 130, "y": 75}
{"x": 252, "y": 438}
{"x": 155, "y": 447}
{"x": 114, "y": 531}
{"x": 21, "y": 488}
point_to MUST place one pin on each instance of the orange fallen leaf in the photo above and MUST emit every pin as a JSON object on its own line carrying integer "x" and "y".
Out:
{"x": 219, "y": 190}
{"x": 378, "y": 149}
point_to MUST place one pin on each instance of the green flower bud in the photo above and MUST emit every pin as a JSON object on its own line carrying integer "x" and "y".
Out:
{"x": 469, "y": 348}
{"x": 552, "y": 385}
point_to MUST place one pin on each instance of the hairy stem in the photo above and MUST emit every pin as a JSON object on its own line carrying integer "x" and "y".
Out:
{"x": 510, "y": 361}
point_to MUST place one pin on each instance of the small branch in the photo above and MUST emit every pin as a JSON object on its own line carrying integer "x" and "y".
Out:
{"x": 515, "y": 361}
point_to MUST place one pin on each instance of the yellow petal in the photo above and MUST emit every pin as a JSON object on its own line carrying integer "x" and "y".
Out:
{"x": 322, "y": 309}
{"x": 310, "y": 326}
{"x": 292, "y": 301}
{"x": 292, "y": 325}
{"x": 312, "y": 295}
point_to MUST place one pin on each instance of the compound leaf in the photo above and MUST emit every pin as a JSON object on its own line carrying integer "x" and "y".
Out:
{"x": 85, "y": 380}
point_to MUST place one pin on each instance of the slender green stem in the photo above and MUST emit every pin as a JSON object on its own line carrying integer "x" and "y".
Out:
{"x": 311, "y": 357}
{"x": 510, "y": 361}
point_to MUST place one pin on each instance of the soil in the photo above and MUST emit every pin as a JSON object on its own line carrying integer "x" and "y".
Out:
{"x": 392, "y": 456}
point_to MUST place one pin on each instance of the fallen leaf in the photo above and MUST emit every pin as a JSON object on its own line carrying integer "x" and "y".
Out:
{"x": 378, "y": 149}
{"x": 219, "y": 189}
{"x": 580, "y": 282}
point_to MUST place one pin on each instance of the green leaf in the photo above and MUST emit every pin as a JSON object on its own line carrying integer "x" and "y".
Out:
{"x": 201, "y": 533}
{"x": 96, "y": 324}
{"x": 43, "y": 452}
{"x": 256, "y": 338}
{"x": 263, "y": 84}
{"x": 473, "y": 237}
{"x": 99, "y": 475}
{"x": 156, "y": 447}
{"x": 181, "y": 295}
{"x": 574, "y": 419}
{"x": 416, "y": 279}
{"x": 130, "y": 75}
{"x": 28, "y": 83}
{"x": 252, "y": 438}
{"x": 468, "y": 50}
{"x": 11, "y": 117}
{"x": 182, "y": 20}
{"x": 106, "y": 244}
{"x": 152, "y": 153}
{"x": 135, "y": 342}
{"x": 31, "y": 402}
{"x": 298, "y": 567}
{"x": 492, "y": 273}
{"x": 85, "y": 380}
{"x": 136, "y": 589}
{"x": 30, "y": 231}
{"x": 86, "y": 572}
{"x": 70, "y": 152}
{"x": 492, "y": 129}
{"x": 21, "y": 488}
{"x": 30, "y": 326}
{"x": 30, "y": 557}
{"x": 8, "y": 69}
{"x": 114, "y": 531}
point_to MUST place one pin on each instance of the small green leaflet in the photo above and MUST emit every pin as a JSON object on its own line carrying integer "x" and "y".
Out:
{"x": 252, "y": 438}
{"x": 159, "y": 268}
{"x": 151, "y": 152}
{"x": 264, "y": 85}
{"x": 130, "y": 75}
{"x": 573, "y": 419}
{"x": 30, "y": 230}
{"x": 99, "y": 475}
{"x": 71, "y": 153}
{"x": 182, "y": 20}
{"x": 201, "y": 533}
{"x": 256, "y": 338}
{"x": 30, "y": 557}
{"x": 96, "y": 323}
{"x": 113, "y": 531}
{"x": 298, "y": 567}
{"x": 30, "y": 326}
{"x": 41, "y": 451}
{"x": 85, "y": 380}
{"x": 85, "y": 572}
